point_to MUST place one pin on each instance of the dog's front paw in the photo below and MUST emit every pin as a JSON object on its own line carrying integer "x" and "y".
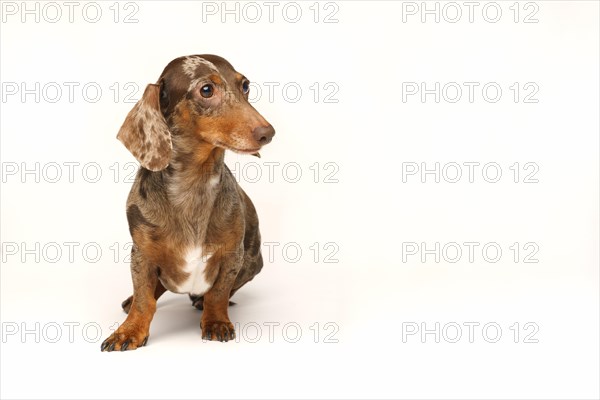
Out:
{"x": 125, "y": 338}
{"x": 222, "y": 331}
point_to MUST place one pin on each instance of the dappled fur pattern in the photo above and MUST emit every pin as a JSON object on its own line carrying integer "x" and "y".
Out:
{"x": 184, "y": 196}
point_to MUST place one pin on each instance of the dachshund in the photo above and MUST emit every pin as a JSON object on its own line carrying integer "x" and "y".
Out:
{"x": 194, "y": 229}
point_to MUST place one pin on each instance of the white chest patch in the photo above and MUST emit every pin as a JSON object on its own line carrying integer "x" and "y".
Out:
{"x": 214, "y": 180}
{"x": 195, "y": 266}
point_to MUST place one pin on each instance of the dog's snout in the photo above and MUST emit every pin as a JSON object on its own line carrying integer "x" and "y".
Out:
{"x": 263, "y": 134}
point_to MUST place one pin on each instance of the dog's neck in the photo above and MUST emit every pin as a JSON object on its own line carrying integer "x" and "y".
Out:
{"x": 193, "y": 181}
{"x": 195, "y": 159}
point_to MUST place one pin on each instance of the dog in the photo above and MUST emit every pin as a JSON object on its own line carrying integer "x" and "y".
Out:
{"x": 194, "y": 230}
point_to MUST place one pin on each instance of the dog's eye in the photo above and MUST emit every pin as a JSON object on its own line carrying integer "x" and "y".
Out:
{"x": 207, "y": 91}
{"x": 245, "y": 87}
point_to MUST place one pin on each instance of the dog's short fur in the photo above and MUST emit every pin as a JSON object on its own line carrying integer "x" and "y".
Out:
{"x": 194, "y": 229}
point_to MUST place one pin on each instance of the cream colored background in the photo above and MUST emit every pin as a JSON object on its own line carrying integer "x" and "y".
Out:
{"x": 369, "y": 213}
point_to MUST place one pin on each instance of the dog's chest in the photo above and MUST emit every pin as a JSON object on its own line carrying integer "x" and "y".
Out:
{"x": 194, "y": 265}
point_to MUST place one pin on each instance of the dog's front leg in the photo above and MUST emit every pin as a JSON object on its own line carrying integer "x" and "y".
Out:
{"x": 215, "y": 323}
{"x": 133, "y": 333}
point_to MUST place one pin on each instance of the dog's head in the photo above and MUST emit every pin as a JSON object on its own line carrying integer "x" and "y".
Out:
{"x": 202, "y": 96}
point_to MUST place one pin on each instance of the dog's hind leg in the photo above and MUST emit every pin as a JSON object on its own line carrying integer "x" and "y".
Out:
{"x": 198, "y": 301}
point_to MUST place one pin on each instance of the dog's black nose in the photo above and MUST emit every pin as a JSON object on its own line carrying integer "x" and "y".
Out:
{"x": 263, "y": 134}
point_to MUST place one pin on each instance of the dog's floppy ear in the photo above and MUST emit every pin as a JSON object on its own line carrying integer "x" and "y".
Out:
{"x": 145, "y": 132}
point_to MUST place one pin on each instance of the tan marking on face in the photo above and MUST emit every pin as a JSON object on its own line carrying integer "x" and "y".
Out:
{"x": 217, "y": 79}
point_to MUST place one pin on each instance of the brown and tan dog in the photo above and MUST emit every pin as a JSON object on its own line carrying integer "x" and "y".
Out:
{"x": 194, "y": 229}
